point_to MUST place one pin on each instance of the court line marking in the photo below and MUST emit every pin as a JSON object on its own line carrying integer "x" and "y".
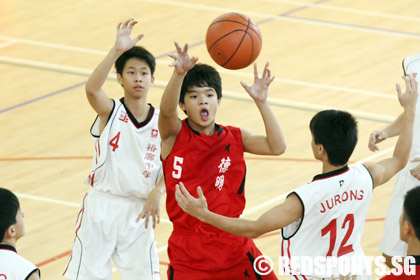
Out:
{"x": 86, "y": 71}
{"x": 285, "y": 17}
{"x": 8, "y": 43}
{"x": 233, "y": 94}
{"x": 65, "y": 203}
{"x": 346, "y": 10}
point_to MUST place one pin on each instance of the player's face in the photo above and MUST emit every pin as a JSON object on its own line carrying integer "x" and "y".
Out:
{"x": 19, "y": 226}
{"x": 201, "y": 105}
{"x": 315, "y": 148}
{"x": 136, "y": 78}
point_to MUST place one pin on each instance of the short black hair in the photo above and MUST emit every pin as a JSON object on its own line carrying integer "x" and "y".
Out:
{"x": 337, "y": 132}
{"x": 411, "y": 208}
{"x": 139, "y": 53}
{"x": 201, "y": 75}
{"x": 9, "y": 206}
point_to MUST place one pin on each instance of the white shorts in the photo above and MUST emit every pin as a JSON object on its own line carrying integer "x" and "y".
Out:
{"x": 106, "y": 229}
{"x": 391, "y": 243}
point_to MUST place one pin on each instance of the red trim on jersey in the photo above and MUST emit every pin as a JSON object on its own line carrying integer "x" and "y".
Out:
{"x": 331, "y": 174}
{"x": 92, "y": 178}
{"x": 99, "y": 149}
{"x": 77, "y": 229}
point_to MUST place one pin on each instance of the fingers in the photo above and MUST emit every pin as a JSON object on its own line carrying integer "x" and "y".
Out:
{"x": 126, "y": 22}
{"x": 255, "y": 71}
{"x": 244, "y": 85}
{"x": 185, "y": 48}
{"x": 200, "y": 193}
{"x": 267, "y": 72}
{"x": 417, "y": 159}
{"x": 415, "y": 172}
{"x": 177, "y": 47}
{"x": 194, "y": 59}
{"x": 138, "y": 38}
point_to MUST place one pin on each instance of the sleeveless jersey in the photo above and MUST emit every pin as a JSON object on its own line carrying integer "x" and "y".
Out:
{"x": 216, "y": 163}
{"x": 334, "y": 212}
{"x": 411, "y": 65}
{"x": 126, "y": 161}
{"x": 13, "y": 266}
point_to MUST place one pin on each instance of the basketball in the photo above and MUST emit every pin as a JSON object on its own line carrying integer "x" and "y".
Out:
{"x": 233, "y": 41}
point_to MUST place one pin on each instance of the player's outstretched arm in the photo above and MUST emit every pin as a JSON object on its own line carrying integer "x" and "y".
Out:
{"x": 276, "y": 218}
{"x": 169, "y": 123}
{"x": 385, "y": 169}
{"x": 273, "y": 143}
{"x": 96, "y": 96}
{"x": 378, "y": 136}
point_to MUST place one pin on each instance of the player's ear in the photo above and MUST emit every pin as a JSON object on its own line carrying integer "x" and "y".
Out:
{"x": 10, "y": 232}
{"x": 182, "y": 106}
{"x": 153, "y": 80}
{"x": 119, "y": 79}
{"x": 408, "y": 228}
{"x": 219, "y": 100}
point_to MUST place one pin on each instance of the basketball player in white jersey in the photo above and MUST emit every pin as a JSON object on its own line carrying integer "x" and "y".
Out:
{"x": 324, "y": 218}
{"x": 12, "y": 227}
{"x": 407, "y": 178}
{"x": 114, "y": 216}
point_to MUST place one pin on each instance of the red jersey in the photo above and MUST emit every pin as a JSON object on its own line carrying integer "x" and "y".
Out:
{"x": 215, "y": 163}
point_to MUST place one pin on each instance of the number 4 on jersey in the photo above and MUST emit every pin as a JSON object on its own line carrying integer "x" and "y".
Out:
{"x": 114, "y": 141}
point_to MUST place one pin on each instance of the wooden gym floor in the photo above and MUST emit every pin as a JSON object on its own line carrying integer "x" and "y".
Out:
{"x": 325, "y": 54}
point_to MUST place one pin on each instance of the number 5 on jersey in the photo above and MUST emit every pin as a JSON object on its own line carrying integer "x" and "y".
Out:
{"x": 178, "y": 161}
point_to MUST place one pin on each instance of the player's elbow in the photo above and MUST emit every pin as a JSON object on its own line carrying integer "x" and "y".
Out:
{"x": 279, "y": 150}
{"x": 91, "y": 91}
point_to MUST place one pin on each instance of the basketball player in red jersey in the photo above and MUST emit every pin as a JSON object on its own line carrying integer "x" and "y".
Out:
{"x": 199, "y": 151}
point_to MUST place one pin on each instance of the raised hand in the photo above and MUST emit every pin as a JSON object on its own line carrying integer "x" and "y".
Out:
{"x": 196, "y": 207}
{"x": 183, "y": 62}
{"x": 408, "y": 99}
{"x": 124, "y": 42}
{"x": 376, "y": 137}
{"x": 259, "y": 90}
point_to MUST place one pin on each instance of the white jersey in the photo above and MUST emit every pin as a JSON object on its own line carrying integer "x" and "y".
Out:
{"x": 411, "y": 65}
{"x": 127, "y": 153}
{"x": 334, "y": 212}
{"x": 13, "y": 266}
{"x": 391, "y": 243}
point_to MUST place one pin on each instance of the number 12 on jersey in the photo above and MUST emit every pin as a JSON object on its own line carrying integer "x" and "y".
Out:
{"x": 331, "y": 228}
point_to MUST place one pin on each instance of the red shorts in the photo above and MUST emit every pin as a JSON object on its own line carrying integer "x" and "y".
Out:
{"x": 213, "y": 255}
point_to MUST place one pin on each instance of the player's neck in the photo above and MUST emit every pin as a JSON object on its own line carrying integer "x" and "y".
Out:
{"x": 138, "y": 107}
{"x": 328, "y": 167}
{"x": 10, "y": 242}
{"x": 413, "y": 248}
{"x": 207, "y": 130}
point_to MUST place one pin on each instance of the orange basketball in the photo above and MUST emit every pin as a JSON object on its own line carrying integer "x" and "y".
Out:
{"x": 233, "y": 40}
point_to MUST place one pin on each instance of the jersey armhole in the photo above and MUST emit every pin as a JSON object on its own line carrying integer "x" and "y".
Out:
{"x": 373, "y": 183}
{"x": 301, "y": 218}
{"x": 32, "y": 272}
{"x": 96, "y": 119}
